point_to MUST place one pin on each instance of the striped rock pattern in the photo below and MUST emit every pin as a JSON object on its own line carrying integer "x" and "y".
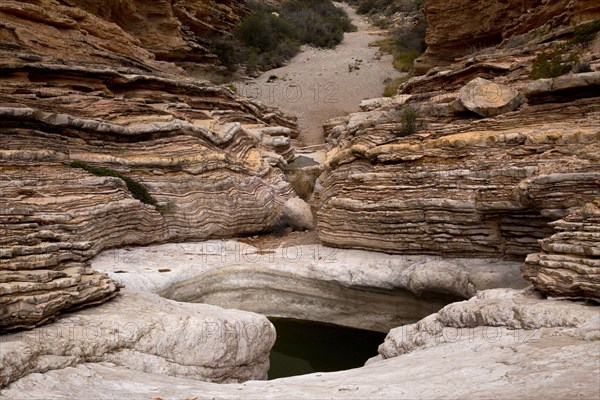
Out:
{"x": 75, "y": 87}
{"x": 569, "y": 261}
{"x": 467, "y": 186}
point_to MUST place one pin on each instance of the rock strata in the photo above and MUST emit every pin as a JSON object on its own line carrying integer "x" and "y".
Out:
{"x": 474, "y": 25}
{"x": 77, "y": 88}
{"x": 177, "y": 31}
{"x": 461, "y": 184}
{"x": 569, "y": 263}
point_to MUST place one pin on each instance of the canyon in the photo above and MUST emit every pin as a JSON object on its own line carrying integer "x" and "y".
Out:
{"x": 148, "y": 216}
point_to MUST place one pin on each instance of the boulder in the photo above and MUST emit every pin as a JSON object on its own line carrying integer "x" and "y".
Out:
{"x": 81, "y": 91}
{"x": 144, "y": 332}
{"x": 489, "y": 99}
{"x": 298, "y": 215}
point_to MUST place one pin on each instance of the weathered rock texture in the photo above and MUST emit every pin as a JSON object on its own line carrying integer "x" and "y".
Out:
{"x": 501, "y": 345}
{"x": 467, "y": 185}
{"x": 457, "y": 27}
{"x": 530, "y": 318}
{"x": 352, "y": 288}
{"x": 75, "y": 87}
{"x": 144, "y": 332}
{"x": 488, "y": 190}
{"x": 177, "y": 30}
{"x": 487, "y": 98}
{"x": 569, "y": 263}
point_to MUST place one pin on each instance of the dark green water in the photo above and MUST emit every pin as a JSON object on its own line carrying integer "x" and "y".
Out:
{"x": 303, "y": 347}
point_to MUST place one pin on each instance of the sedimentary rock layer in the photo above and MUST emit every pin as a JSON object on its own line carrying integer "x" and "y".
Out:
{"x": 457, "y": 27}
{"x": 479, "y": 192}
{"x": 77, "y": 88}
{"x": 170, "y": 30}
{"x": 569, "y": 263}
{"x": 467, "y": 185}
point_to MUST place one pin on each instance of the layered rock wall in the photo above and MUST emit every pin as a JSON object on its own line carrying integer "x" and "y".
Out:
{"x": 464, "y": 185}
{"x": 569, "y": 261}
{"x": 75, "y": 87}
{"x": 457, "y": 27}
{"x": 482, "y": 191}
{"x": 172, "y": 30}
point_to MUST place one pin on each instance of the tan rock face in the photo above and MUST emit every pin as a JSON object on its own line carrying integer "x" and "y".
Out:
{"x": 172, "y": 30}
{"x": 569, "y": 263}
{"x": 477, "y": 191}
{"x": 75, "y": 87}
{"x": 458, "y": 26}
{"x": 470, "y": 186}
{"x": 488, "y": 99}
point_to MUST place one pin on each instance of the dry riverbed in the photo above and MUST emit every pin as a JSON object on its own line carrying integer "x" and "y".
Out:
{"x": 319, "y": 84}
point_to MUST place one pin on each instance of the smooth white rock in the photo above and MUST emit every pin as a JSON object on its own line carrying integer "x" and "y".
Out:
{"x": 298, "y": 215}
{"x": 492, "y": 362}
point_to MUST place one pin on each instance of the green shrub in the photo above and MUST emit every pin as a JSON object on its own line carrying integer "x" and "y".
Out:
{"x": 585, "y": 33}
{"x": 405, "y": 45}
{"x": 391, "y": 86}
{"x": 553, "y": 63}
{"x": 410, "y": 122}
{"x": 137, "y": 190}
{"x": 387, "y": 7}
{"x": 319, "y": 23}
{"x": 225, "y": 50}
{"x": 366, "y": 6}
{"x": 264, "y": 32}
{"x": 419, "y": 4}
{"x": 403, "y": 61}
{"x": 272, "y": 35}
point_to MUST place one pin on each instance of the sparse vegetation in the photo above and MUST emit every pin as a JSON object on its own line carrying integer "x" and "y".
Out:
{"x": 387, "y": 7}
{"x": 232, "y": 87}
{"x": 585, "y": 33}
{"x": 366, "y": 6}
{"x": 554, "y": 63}
{"x": 318, "y": 22}
{"x": 410, "y": 122}
{"x": 403, "y": 61}
{"x": 272, "y": 35}
{"x": 582, "y": 67}
{"x": 137, "y": 190}
{"x": 419, "y": 3}
{"x": 405, "y": 45}
{"x": 392, "y": 85}
{"x": 225, "y": 50}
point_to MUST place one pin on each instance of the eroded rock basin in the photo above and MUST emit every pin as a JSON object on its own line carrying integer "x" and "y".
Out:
{"x": 303, "y": 347}
{"x": 353, "y": 288}
{"x": 502, "y": 343}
